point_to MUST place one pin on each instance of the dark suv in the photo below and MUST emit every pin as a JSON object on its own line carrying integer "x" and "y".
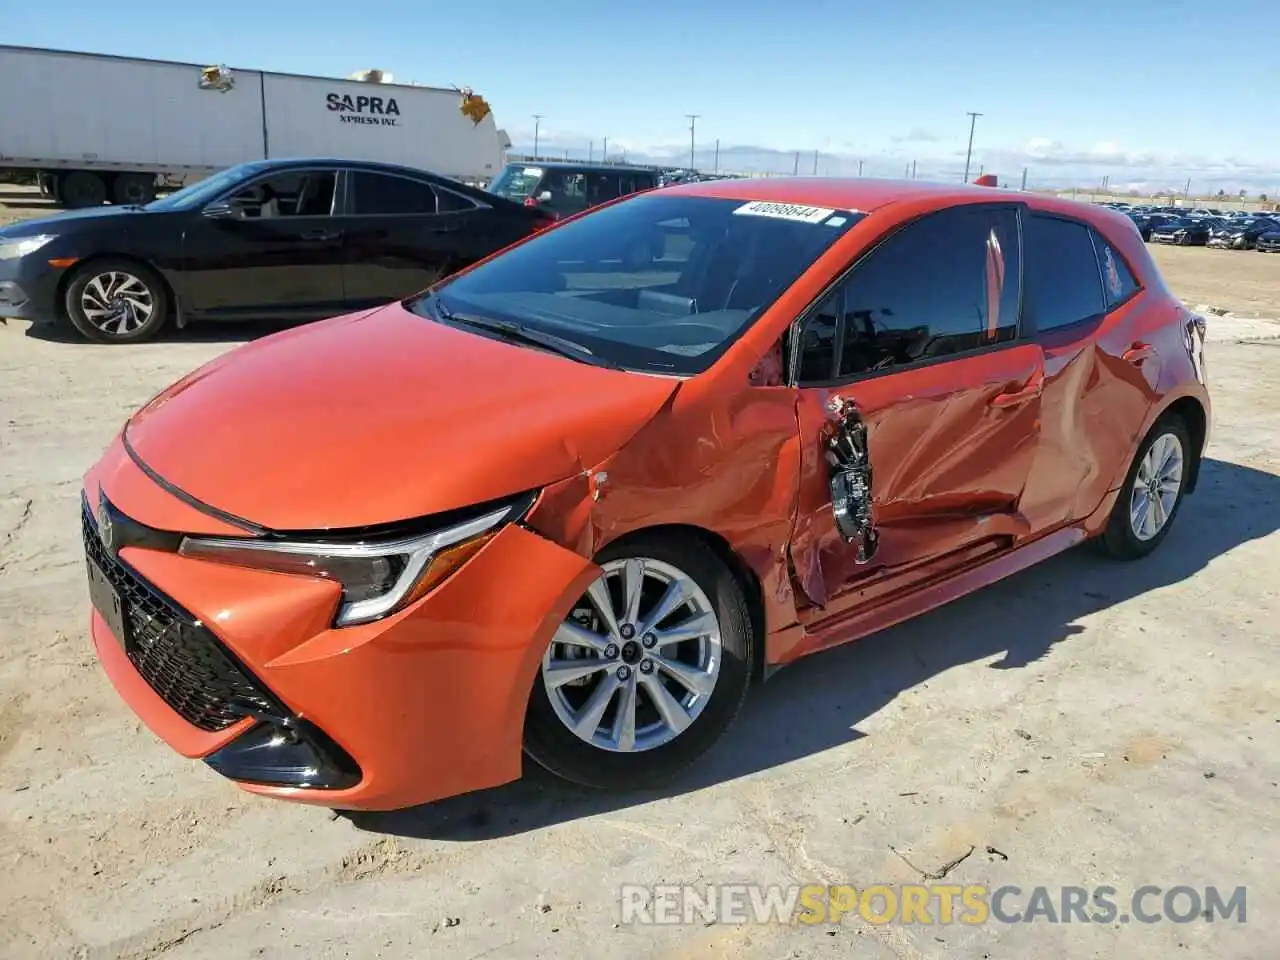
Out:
{"x": 567, "y": 187}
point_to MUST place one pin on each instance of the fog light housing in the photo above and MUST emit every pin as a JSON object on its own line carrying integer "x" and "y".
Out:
{"x": 286, "y": 753}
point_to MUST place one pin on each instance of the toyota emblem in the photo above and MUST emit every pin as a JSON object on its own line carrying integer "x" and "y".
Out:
{"x": 106, "y": 530}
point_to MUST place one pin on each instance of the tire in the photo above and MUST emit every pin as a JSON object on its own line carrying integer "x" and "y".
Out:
{"x": 121, "y": 288}
{"x": 659, "y": 750}
{"x": 83, "y": 189}
{"x": 133, "y": 188}
{"x": 1122, "y": 538}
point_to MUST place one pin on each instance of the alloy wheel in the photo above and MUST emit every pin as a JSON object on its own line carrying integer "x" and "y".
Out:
{"x": 117, "y": 303}
{"x": 1156, "y": 486}
{"x": 637, "y": 660}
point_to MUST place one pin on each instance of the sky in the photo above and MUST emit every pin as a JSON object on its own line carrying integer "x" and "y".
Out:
{"x": 1146, "y": 92}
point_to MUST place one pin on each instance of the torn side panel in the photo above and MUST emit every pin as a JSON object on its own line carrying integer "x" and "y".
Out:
{"x": 850, "y": 475}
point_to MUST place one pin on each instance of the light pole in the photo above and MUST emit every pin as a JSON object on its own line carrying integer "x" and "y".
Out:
{"x": 973, "y": 122}
{"x": 693, "y": 126}
{"x": 537, "y": 125}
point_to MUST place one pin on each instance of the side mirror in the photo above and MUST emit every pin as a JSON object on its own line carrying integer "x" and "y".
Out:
{"x": 544, "y": 196}
{"x": 220, "y": 210}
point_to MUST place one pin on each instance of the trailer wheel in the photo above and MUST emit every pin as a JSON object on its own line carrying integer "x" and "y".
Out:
{"x": 83, "y": 189}
{"x": 134, "y": 188}
{"x": 115, "y": 300}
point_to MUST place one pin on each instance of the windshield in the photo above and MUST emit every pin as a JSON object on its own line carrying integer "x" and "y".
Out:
{"x": 516, "y": 181}
{"x": 658, "y": 282}
{"x": 202, "y": 191}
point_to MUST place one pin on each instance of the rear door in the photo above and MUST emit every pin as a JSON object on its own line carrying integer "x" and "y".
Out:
{"x": 402, "y": 234}
{"x": 1081, "y": 305}
{"x": 278, "y": 253}
{"x": 915, "y": 358}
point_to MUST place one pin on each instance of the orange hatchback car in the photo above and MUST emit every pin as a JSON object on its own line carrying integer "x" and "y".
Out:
{"x": 572, "y": 501}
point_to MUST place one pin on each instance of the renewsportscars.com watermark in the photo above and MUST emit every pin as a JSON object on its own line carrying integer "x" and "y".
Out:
{"x": 931, "y": 904}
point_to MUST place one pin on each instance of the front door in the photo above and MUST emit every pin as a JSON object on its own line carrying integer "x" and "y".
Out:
{"x": 918, "y": 409}
{"x": 276, "y": 254}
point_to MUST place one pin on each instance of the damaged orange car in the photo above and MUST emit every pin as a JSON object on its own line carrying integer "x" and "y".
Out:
{"x": 572, "y": 501}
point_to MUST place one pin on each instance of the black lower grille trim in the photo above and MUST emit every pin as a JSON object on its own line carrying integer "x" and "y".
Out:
{"x": 179, "y": 657}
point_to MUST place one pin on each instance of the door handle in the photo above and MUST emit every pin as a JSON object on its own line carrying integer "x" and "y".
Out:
{"x": 1011, "y": 398}
{"x": 320, "y": 235}
{"x": 1138, "y": 352}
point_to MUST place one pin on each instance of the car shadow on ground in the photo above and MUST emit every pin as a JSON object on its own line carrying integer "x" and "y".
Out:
{"x": 228, "y": 333}
{"x": 817, "y": 703}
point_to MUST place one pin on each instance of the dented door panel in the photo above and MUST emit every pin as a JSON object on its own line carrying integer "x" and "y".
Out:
{"x": 949, "y": 458}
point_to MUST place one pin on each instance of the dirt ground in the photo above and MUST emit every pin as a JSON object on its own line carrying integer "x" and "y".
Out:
{"x": 1082, "y": 723}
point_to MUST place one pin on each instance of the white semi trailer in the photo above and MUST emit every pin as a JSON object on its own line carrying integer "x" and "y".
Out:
{"x": 103, "y": 129}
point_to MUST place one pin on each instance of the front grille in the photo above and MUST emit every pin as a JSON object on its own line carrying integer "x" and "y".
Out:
{"x": 181, "y": 660}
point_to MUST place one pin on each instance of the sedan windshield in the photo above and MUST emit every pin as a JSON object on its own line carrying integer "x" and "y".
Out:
{"x": 659, "y": 282}
{"x": 202, "y": 191}
{"x": 516, "y": 182}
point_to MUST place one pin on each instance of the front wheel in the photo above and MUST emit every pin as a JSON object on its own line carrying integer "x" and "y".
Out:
{"x": 1152, "y": 492}
{"x": 648, "y": 670}
{"x": 116, "y": 301}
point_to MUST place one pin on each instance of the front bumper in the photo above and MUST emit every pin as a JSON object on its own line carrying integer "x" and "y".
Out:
{"x": 29, "y": 289}
{"x": 425, "y": 704}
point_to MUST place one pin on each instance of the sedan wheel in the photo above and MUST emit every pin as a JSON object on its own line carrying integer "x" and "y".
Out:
{"x": 1152, "y": 493}
{"x": 646, "y": 672}
{"x": 116, "y": 302}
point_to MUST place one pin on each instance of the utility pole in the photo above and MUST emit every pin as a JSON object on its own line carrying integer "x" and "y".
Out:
{"x": 859, "y": 168}
{"x": 591, "y": 151}
{"x": 1186, "y": 191}
{"x": 913, "y": 169}
{"x": 906, "y": 172}
{"x": 795, "y": 170}
{"x": 537, "y": 126}
{"x": 815, "y": 163}
{"x": 604, "y": 151}
{"x": 1024, "y": 178}
{"x": 716, "y": 163}
{"x": 973, "y": 122}
{"x": 693, "y": 126}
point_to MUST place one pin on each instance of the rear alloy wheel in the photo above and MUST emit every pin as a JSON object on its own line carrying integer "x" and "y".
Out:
{"x": 82, "y": 189}
{"x": 1152, "y": 492}
{"x": 133, "y": 188}
{"x": 116, "y": 301}
{"x": 648, "y": 670}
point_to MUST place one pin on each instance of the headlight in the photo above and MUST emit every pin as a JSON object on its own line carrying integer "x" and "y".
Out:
{"x": 378, "y": 576}
{"x": 22, "y": 246}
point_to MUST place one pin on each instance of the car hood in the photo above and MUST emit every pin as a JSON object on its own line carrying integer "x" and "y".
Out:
{"x": 382, "y": 416}
{"x": 73, "y": 219}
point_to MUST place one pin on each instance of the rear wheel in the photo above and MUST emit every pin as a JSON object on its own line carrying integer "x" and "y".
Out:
{"x": 1152, "y": 492}
{"x": 133, "y": 188}
{"x": 116, "y": 301}
{"x": 647, "y": 672}
{"x": 83, "y": 189}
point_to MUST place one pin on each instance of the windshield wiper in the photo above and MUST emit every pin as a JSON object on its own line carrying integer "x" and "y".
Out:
{"x": 518, "y": 333}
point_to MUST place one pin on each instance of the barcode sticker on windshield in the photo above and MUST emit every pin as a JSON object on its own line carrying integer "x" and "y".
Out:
{"x": 784, "y": 211}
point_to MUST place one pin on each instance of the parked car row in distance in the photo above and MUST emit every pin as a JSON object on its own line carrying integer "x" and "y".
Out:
{"x": 1226, "y": 230}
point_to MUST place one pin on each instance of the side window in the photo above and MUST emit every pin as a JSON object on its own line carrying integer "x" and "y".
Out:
{"x": 601, "y": 187}
{"x": 818, "y": 340}
{"x": 292, "y": 194}
{"x": 942, "y": 285}
{"x": 450, "y": 202}
{"x": 1062, "y": 279}
{"x": 375, "y": 194}
{"x": 1117, "y": 279}
{"x": 568, "y": 190}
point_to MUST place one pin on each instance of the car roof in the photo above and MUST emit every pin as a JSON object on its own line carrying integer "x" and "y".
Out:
{"x": 291, "y": 162}
{"x": 866, "y": 194}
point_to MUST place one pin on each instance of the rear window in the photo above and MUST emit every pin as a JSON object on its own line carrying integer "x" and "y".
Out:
{"x": 516, "y": 181}
{"x": 1063, "y": 283}
{"x": 661, "y": 283}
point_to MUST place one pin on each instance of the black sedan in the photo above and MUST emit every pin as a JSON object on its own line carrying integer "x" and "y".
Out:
{"x": 1183, "y": 232}
{"x": 1241, "y": 234}
{"x": 293, "y": 240}
{"x": 1146, "y": 222}
{"x": 1268, "y": 241}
